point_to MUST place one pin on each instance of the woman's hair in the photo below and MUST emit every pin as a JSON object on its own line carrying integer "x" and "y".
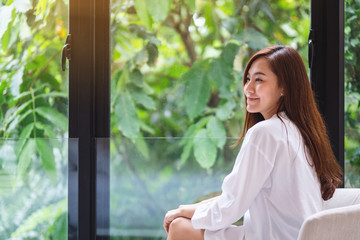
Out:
{"x": 299, "y": 104}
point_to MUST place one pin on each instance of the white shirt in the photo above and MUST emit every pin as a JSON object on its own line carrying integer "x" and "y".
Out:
{"x": 272, "y": 185}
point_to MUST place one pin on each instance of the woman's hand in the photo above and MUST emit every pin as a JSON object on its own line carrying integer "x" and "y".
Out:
{"x": 186, "y": 211}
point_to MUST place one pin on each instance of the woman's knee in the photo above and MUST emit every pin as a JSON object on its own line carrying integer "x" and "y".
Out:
{"x": 182, "y": 229}
{"x": 178, "y": 226}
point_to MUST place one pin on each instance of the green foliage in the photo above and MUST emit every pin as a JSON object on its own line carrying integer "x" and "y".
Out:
{"x": 199, "y": 48}
{"x": 352, "y": 92}
{"x": 33, "y": 110}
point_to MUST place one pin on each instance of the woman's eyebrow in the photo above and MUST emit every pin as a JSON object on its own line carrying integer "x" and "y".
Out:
{"x": 257, "y": 73}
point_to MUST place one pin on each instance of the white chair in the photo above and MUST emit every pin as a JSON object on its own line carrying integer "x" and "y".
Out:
{"x": 339, "y": 220}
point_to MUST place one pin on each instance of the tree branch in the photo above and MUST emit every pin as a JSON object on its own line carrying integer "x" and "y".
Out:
{"x": 182, "y": 28}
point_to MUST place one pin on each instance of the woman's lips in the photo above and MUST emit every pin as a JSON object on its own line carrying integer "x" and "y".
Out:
{"x": 251, "y": 99}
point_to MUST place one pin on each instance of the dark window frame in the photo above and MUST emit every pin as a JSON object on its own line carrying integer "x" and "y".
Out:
{"x": 89, "y": 119}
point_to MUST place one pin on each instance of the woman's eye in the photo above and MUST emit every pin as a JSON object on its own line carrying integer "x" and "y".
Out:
{"x": 258, "y": 80}
{"x": 247, "y": 79}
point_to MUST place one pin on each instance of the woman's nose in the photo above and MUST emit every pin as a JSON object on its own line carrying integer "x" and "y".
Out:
{"x": 249, "y": 87}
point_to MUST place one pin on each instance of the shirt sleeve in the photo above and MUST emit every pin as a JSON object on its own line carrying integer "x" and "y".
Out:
{"x": 252, "y": 168}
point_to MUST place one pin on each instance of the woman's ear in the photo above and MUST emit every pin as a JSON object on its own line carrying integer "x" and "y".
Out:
{"x": 282, "y": 92}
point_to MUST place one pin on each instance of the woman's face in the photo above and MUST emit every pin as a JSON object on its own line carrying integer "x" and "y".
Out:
{"x": 261, "y": 89}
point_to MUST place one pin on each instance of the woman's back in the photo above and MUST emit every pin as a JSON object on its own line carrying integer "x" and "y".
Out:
{"x": 292, "y": 190}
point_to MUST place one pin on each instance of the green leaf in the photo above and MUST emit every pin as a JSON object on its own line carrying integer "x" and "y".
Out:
{"x": 5, "y": 18}
{"x": 25, "y": 115}
{"x": 220, "y": 74}
{"x": 126, "y": 116}
{"x": 205, "y": 150}
{"x": 216, "y": 132}
{"x": 197, "y": 91}
{"x": 25, "y": 157}
{"x": 41, "y": 216}
{"x": 47, "y": 158}
{"x": 52, "y": 94}
{"x": 61, "y": 227}
{"x": 228, "y": 54}
{"x": 5, "y": 40}
{"x": 25, "y": 133}
{"x": 136, "y": 77}
{"x": 141, "y": 145}
{"x": 266, "y": 9}
{"x": 191, "y": 4}
{"x": 142, "y": 12}
{"x": 153, "y": 53}
{"x": 143, "y": 99}
{"x": 253, "y": 38}
{"x": 16, "y": 81}
{"x": 158, "y": 10}
{"x": 186, "y": 152}
{"x": 41, "y": 7}
{"x": 55, "y": 117}
{"x": 224, "y": 111}
{"x": 141, "y": 57}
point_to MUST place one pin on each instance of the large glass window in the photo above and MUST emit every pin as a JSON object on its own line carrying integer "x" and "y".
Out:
{"x": 33, "y": 120}
{"x": 352, "y": 93}
{"x": 177, "y": 101}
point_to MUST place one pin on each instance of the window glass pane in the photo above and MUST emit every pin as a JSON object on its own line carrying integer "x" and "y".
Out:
{"x": 352, "y": 94}
{"x": 177, "y": 100}
{"x": 33, "y": 120}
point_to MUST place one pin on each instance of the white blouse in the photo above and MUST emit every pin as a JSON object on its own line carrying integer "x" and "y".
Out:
{"x": 272, "y": 185}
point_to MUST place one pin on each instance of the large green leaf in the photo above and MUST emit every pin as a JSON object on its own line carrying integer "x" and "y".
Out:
{"x": 159, "y": 9}
{"x": 126, "y": 116}
{"x": 228, "y": 53}
{"x": 47, "y": 158}
{"x": 220, "y": 74}
{"x": 55, "y": 117}
{"x": 142, "y": 12}
{"x": 25, "y": 156}
{"x": 141, "y": 145}
{"x": 186, "y": 152}
{"x": 225, "y": 110}
{"x": 143, "y": 99}
{"x": 216, "y": 131}
{"x": 61, "y": 227}
{"x": 253, "y": 38}
{"x": 205, "y": 150}
{"x": 25, "y": 133}
{"x": 197, "y": 91}
{"x": 136, "y": 77}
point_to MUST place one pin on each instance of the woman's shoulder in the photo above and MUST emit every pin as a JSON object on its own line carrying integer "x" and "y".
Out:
{"x": 274, "y": 129}
{"x": 273, "y": 125}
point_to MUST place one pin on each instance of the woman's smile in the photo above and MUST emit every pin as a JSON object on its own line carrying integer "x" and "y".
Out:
{"x": 252, "y": 99}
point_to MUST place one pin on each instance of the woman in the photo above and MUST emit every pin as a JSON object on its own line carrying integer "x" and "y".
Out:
{"x": 285, "y": 168}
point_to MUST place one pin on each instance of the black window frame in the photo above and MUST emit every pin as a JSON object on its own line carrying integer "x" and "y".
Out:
{"x": 89, "y": 119}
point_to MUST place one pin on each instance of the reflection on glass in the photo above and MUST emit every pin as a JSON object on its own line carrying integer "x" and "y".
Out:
{"x": 352, "y": 94}
{"x": 33, "y": 188}
{"x": 144, "y": 184}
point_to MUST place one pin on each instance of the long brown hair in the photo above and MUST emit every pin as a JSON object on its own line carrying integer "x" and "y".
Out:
{"x": 300, "y": 107}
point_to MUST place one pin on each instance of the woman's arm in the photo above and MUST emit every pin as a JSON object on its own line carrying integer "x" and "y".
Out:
{"x": 186, "y": 211}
